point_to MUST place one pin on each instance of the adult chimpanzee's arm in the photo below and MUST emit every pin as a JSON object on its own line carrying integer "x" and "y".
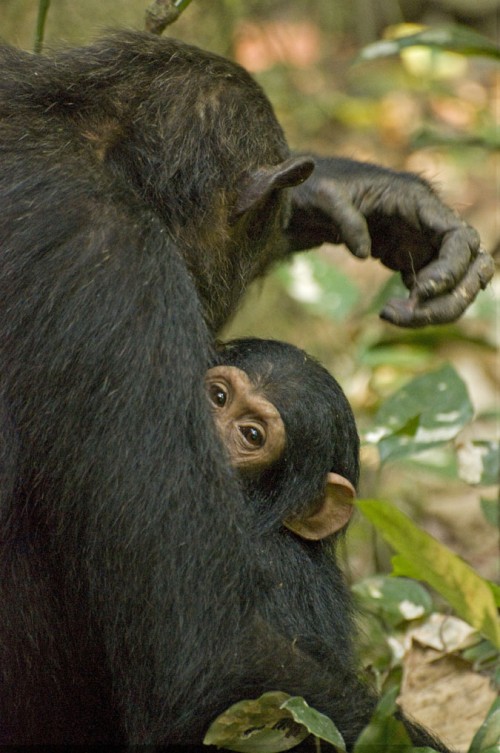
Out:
{"x": 398, "y": 218}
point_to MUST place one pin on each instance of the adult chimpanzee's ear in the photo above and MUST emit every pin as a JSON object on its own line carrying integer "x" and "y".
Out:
{"x": 333, "y": 514}
{"x": 259, "y": 183}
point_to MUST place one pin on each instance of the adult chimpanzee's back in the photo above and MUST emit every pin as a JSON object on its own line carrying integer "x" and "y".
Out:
{"x": 140, "y": 191}
{"x": 115, "y": 161}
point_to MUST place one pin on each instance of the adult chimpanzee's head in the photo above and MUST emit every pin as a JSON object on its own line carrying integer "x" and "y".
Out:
{"x": 173, "y": 122}
{"x": 290, "y": 433}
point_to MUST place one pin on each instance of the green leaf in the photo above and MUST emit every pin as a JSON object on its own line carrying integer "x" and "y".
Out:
{"x": 458, "y": 39}
{"x": 427, "y": 412}
{"x": 318, "y": 724}
{"x": 257, "y": 726}
{"x": 487, "y": 738}
{"x": 397, "y": 600}
{"x": 400, "y": 356}
{"x": 384, "y": 730}
{"x": 424, "y": 558}
{"x": 483, "y": 657}
{"x": 495, "y": 590}
{"x": 491, "y": 511}
{"x": 320, "y": 286}
{"x": 438, "y": 460}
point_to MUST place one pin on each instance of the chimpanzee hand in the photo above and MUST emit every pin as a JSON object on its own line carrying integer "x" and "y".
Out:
{"x": 399, "y": 219}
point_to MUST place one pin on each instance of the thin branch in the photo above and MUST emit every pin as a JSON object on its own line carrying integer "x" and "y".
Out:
{"x": 43, "y": 7}
{"x": 162, "y": 13}
{"x": 181, "y": 4}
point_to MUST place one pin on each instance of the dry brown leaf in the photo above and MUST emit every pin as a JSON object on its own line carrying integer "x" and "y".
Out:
{"x": 445, "y": 695}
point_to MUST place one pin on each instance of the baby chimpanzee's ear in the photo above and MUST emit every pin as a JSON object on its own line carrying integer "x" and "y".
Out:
{"x": 333, "y": 513}
{"x": 258, "y": 184}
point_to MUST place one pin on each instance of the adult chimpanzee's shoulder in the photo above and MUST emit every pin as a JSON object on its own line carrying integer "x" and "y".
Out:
{"x": 11, "y": 56}
{"x": 16, "y": 70}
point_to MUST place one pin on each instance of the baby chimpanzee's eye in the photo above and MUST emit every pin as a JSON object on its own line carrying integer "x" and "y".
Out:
{"x": 218, "y": 395}
{"x": 253, "y": 435}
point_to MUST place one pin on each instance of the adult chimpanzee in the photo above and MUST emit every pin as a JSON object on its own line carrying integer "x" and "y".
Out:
{"x": 143, "y": 184}
{"x": 290, "y": 433}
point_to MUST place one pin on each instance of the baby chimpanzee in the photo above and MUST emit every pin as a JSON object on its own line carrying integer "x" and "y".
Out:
{"x": 291, "y": 436}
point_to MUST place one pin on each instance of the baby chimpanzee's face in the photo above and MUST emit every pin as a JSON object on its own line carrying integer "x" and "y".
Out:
{"x": 250, "y": 426}
{"x": 254, "y": 435}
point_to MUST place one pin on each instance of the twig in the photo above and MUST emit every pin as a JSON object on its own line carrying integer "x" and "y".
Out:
{"x": 43, "y": 7}
{"x": 162, "y": 13}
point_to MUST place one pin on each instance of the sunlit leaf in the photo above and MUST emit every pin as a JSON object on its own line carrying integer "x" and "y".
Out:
{"x": 428, "y": 411}
{"x": 454, "y": 39}
{"x": 487, "y": 738}
{"x": 318, "y": 724}
{"x": 257, "y": 726}
{"x": 422, "y": 557}
{"x": 272, "y": 723}
{"x": 397, "y": 600}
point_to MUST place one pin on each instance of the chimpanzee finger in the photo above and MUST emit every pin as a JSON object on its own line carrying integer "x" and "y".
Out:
{"x": 323, "y": 212}
{"x": 459, "y": 247}
{"x": 445, "y": 308}
{"x": 350, "y": 224}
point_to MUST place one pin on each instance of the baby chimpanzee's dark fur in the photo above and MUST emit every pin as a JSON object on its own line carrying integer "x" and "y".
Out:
{"x": 143, "y": 184}
{"x": 307, "y": 600}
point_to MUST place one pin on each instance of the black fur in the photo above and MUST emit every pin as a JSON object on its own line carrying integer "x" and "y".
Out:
{"x": 308, "y": 599}
{"x": 128, "y": 583}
